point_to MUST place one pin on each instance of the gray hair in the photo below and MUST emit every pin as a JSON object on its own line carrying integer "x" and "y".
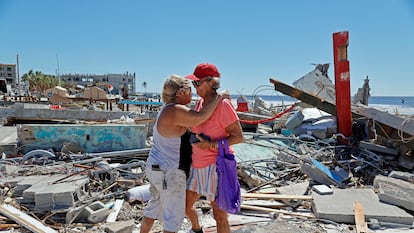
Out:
{"x": 216, "y": 83}
{"x": 172, "y": 85}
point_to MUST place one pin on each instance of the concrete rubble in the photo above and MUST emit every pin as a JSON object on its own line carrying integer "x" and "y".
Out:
{"x": 338, "y": 207}
{"x": 285, "y": 186}
{"x": 295, "y": 177}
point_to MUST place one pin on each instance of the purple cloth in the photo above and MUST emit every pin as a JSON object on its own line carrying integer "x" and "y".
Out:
{"x": 228, "y": 193}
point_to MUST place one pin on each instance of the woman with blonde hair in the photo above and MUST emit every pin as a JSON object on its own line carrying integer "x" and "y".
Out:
{"x": 167, "y": 180}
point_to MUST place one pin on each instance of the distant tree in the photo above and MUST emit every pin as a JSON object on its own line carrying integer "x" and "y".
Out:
{"x": 144, "y": 84}
{"x": 39, "y": 82}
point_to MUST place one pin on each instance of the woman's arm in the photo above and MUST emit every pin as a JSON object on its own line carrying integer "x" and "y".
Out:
{"x": 235, "y": 135}
{"x": 187, "y": 117}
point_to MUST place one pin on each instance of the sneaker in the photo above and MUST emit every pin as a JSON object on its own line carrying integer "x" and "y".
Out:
{"x": 198, "y": 231}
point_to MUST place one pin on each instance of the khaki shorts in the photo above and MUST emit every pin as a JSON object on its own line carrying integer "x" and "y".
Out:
{"x": 167, "y": 202}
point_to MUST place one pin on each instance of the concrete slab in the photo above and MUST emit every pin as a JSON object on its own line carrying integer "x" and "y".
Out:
{"x": 8, "y": 140}
{"x": 338, "y": 207}
{"x": 91, "y": 138}
{"x": 395, "y": 191}
{"x": 406, "y": 176}
{"x": 293, "y": 189}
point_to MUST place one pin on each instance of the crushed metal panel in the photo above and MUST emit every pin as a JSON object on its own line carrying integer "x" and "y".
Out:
{"x": 322, "y": 174}
{"x": 362, "y": 94}
{"x": 317, "y": 83}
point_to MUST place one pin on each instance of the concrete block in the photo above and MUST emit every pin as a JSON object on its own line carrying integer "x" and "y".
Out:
{"x": 73, "y": 215}
{"x": 25, "y": 183}
{"x": 294, "y": 120}
{"x": 96, "y": 212}
{"x": 120, "y": 227}
{"x": 395, "y": 191}
{"x": 406, "y": 176}
{"x": 44, "y": 193}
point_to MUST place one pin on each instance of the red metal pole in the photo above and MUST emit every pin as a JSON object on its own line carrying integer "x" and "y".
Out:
{"x": 342, "y": 84}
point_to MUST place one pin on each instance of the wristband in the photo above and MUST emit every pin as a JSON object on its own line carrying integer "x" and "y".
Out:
{"x": 214, "y": 145}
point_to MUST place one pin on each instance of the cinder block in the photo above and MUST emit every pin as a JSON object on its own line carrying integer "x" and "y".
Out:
{"x": 96, "y": 212}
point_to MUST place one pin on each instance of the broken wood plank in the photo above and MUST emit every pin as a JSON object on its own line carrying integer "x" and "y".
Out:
{"x": 276, "y": 196}
{"x": 360, "y": 224}
{"x": 25, "y": 220}
{"x": 115, "y": 210}
{"x": 270, "y": 210}
{"x": 264, "y": 203}
{"x": 6, "y": 226}
{"x": 305, "y": 97}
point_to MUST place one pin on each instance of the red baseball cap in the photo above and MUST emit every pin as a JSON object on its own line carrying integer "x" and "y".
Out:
{"x": 204, "y": 70}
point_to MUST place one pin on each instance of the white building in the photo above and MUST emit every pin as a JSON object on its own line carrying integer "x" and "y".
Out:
{"x": 109, "y": 82}
{"x": 8, "y": 79}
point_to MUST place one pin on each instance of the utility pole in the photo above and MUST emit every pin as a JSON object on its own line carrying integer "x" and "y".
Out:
{"x": 57, "y": 61}
{"x": 18, "y": 73}
{"x": 342, "y": 84}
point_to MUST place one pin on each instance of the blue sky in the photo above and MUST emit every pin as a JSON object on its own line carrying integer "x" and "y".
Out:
{"x": 249, "y": 41}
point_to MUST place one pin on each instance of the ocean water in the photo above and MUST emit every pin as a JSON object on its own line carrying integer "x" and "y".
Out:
{"x": 403, "y": 105}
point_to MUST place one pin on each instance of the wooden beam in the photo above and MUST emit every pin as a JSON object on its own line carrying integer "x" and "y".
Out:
{"x": 305, "y": 97}
{"x": 25, "y": 220}
{"x": 360, "y": 224}
{"x": 276, "y": 196}
{"x": 270, "y": 210}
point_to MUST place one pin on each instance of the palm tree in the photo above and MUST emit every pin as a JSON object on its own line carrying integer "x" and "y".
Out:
{"x": 144, "y": 84}
{"x": 39, "y": 82}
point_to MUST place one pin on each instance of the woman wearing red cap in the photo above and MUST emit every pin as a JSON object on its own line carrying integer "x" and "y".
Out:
{"x": 168, "y": 181}
{"x": 223, "y": 124}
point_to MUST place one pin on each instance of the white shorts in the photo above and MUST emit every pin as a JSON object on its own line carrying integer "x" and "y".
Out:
{"x": 167, "y": 202}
